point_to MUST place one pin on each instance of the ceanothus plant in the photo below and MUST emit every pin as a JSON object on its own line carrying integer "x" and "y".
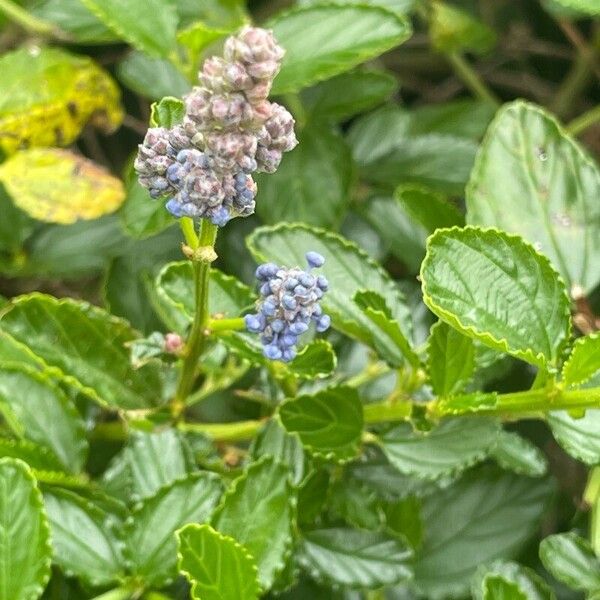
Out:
{"x": 349, "y": 346}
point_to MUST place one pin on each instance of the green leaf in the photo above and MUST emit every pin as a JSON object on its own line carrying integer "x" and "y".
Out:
{"x": 362, "y": 90}
{"x": 87, "y": 540}
{"x": 48, "y": 95}
{"x": 403, "y": 517}
{"x": 521, "y": 581}
{"x": 347, "y": 268}
{"x": 399, "y": 6}
{"x": 531, "y": 178}
{"x": 355, "y": 505}
{"x": 473, "y": 278}
{"x": 320, "y": 199}
{"x": 58, "y": 186}
{"x": 428, "y": 208}
{"x": 148, "y": 25}
{"x": 495, "y": 587}
{"x": 571, "y": 559}
{"x": 85, "y": 346}
{"x": 168, "y": 112}
{"x": 264, "y": 492}
{"x": 24, "y": 536}
{"x": 151, "y": 77}
{"x": 273, "y": 440}
{"x": 329, "y": 423}
{"x": 323, "y": 41}
{"x": 39, "y": 458}
{"x": 439, "y": 161}
{"x": 389, "y": 338}
{"x": 355, "y": 557}
{"x": 589, "y": 7}
{"x": 216, "y": 565}
{"x": 486, "y": 515}
{"x": 584, "y": 361}
{"x": 197, "y": 37}
{"x": 515, "y": 453}
{"x": 454, "y": 30}
{"x": 452, "y": 446}
{"x": 316, "y": 360}
{"x": 451, "y": 359}
{"x": 46, "y": 415}
{"x": 150, "y": 536}
{"x": 580, "y": 437}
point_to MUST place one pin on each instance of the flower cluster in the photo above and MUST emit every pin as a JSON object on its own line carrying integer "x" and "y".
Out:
{"x": 290, "y": 300}
{"x": 229, "y": 131}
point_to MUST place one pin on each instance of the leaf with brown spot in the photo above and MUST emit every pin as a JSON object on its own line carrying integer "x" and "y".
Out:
{"x": 58, "y": 186}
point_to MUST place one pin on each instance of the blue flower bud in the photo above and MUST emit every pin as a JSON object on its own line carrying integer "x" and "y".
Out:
{"x": 272, "y": 352}
{"x": 174, "y": 208}
{"x": 289, "y": 302}
{"x": 323, "y": 323}
{"x": 278, "y": 325}
{"x": 298, "y": 327}
{"x": 322, "y": 282}
{"x": 314, "y": 259}
{"x": 253, "y": 323}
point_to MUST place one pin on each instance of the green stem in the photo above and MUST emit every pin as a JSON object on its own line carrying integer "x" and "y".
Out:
{"x": 189, "y": 232}
{"x": 582, "y": 122}
{"x": 203, "y": 256}
{"x": 116, "y": 594}
{"x": 470, "y": 78}
{"x": 237, "y": 324}
{"x": 28, "y": 22}
{"x": 592, "y": 497}
{"x": 224, "y": 432}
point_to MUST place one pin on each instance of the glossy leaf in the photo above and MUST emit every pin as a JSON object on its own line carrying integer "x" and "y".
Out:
{"x": 428, "y": 208}
{"x": 451, "y": 359}
{"x": 347, "y": 268}
{"x": 328, "y": 423}
{"x": 264, "y": 492}
{"x": 571, "y": 559}
{"x": 484, "y": 516}
{"x": 453, "y": 445}
{"x": 58, "y": 186}
{"x": 362, "y": 90}
{"x": 320, "y": 199}
{"x": 148, "y": 25}
{"x": 356, "y": 557}
{"x": 532, "y": 179}
{"x": 24, "y": 536}
{"x": 87, "y": 540}
{"x": 151, "y": 535}
{"x": 502, "y": 272}
{"x": 216, "y": 565}
{"x": 48, "y": 418}
{"x": 47, "y": 96}
{"x": 584, "y": 361}
{"x": 580, "y": 437}
{"x": 39, "y": 458}
{"x": 515, "y": 453}
{"x": 323, "y": 41}
{"x": 85, "y": 346}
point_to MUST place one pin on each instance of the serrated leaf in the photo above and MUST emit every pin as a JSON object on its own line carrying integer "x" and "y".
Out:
{"x": 216, "y": 565}
{"x": 522, "y": 582}
{"x": 571, "y": 559}
{"x": 273, "y": 440}
{"x": 149, "y": 25}
{"x": 486, "y": 515}
{"x": 450, "y": 358}
{"x": 584, "y": 361}
{"x": 357, "y": 506}
{"x": 452, "y": 29}
{"x": 167, "y": 112}
{"x": 85, "y": 346}
{"x": 37, "y": 457}
{"x": 156, "y": 460}
{"x": 347, "y": 268}
{"x": 473, "y": 278}
{"x": 58, "y": 186}
{"x": 355, "y": 557}
{"x": 389, "y": 339}
{"x": 87, "y": 539}
{"x": 428, "y": 208}
{"x": 580, "y": 437}
{"x": 151, "y": 534}
{"x": 151, "y": 77}
{"x": 47, "y": 96}
{"x": 316, "y": 360}
{"x": 515, "y": 453}
{"x": 323, "y": 41}
{"x": 48, "y": 418}
{"x": 532, "y": 179}
{"x": 263, "y": 492}
{"x": 197, "y": 37}
{"x": 25, "y": 550}
{"x": 495, "y": 587}
{"x": 362, "y": 90}
{"x": 453, "y": 445}
{"x": 329, "y": 423}
{"x": 320, "y": 199}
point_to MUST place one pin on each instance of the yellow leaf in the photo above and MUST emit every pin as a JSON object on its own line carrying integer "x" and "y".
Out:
{"x": 58, "y": 186}
{"x": 48, "y": 95}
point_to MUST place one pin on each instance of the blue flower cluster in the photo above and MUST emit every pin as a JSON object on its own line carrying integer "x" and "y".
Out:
{"x": 290, "y": 300}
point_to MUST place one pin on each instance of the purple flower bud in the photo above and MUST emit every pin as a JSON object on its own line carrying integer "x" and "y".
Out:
{"x": 314, "y": 260}
{"x": 323, "y": 323}
{"x": 253, "y": 323}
